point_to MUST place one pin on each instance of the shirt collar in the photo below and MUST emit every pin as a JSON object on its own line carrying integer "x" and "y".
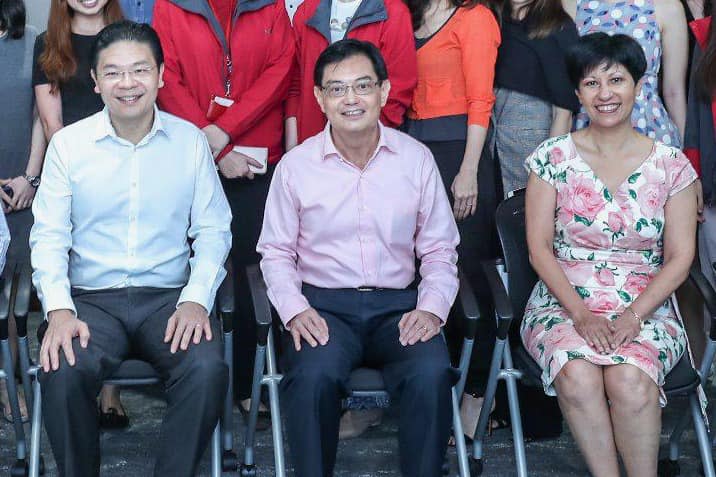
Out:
{"x": 385, "y": 140}
{"x": 105, "y": 128}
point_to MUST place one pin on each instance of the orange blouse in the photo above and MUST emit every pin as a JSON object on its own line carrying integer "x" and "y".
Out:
{"x": 456, "y": 68}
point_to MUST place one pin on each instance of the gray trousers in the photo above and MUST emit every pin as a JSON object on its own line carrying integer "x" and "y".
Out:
{"x": 131, "y": 322}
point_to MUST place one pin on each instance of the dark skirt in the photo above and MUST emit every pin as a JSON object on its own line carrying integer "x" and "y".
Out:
{"x": 478, "y": 242}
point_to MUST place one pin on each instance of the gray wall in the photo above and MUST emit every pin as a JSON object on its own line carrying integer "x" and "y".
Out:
{"x": 37, "y": 12}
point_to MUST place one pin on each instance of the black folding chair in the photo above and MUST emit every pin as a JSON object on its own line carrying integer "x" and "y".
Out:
{"x": 134, "y": 372}
{"x": 363, "y": 382}
{"x": 511, "y": 282}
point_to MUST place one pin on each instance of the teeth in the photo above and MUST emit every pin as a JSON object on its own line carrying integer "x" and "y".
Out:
{"x": 607, "y": 108}
{"x": 353, "y": 113}
{"x": 128, "y": 99}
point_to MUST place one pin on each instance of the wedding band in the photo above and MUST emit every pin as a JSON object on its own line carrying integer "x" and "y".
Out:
{"x": 198, "y": 325}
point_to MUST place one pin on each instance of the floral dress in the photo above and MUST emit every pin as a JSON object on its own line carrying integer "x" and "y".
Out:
{"x": 609, "y": 247}
{"x": 637, "y": 19}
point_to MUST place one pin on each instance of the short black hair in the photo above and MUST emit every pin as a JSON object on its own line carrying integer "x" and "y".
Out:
{"x": 125, "y": 30}
{"x": 596, "y": 49}
{"x": 12, "y": 18}
{"x": 347, "y": 48}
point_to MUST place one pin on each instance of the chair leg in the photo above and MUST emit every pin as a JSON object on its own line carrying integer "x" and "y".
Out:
{"x": 36, "y": 430}
{"x": 458, "y": 433}
{"x": 216, "y": 451}
{"x": 488, "y": 398}
{"x": 702, "y": 436}
{"x": 249, "y": 439}
{"x": 229, "y": 460}
{"x": 515, "y": 416}
{"x": 23, "y": 353}
{"x": 276, "y": 422}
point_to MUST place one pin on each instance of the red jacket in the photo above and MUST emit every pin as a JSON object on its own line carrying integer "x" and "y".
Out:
{"x": 194, "y": 67}
{"x": 385, "y": 23}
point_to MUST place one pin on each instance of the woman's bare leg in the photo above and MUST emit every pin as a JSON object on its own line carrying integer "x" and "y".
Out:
{"x": 580, "y": 391}
{"x": 636, "y": 418}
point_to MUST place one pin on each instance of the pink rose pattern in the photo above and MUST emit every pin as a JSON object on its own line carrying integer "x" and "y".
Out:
{"x": 609, "y": 244}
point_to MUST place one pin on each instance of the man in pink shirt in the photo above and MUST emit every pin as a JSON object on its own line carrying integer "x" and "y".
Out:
{"x": 348, "y": 213}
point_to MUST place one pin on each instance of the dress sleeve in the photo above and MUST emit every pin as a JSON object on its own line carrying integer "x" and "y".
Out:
{"x": 555, "y": 65}
{"x": 544, "y": 159}
{"x": 38, "y": 75}
{"x": 680, "y": 173}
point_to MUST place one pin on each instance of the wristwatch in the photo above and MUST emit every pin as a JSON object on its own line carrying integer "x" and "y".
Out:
{"x": 33, "y": 180}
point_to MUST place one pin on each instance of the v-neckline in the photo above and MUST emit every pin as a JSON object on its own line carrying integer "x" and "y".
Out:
{"x": 615, "y": 193}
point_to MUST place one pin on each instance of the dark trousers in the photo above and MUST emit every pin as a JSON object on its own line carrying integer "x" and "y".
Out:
{"x": 132, "y": 322}
{"x": 478, "y": 242}
{"x": 247, "y": 199}
{"x": 363, "y": 331}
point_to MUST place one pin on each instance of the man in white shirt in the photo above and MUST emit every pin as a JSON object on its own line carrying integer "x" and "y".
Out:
{"x": 123, "y": 192}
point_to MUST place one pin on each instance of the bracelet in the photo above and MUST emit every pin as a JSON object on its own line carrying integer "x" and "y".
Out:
{"x": 636, "y": 316}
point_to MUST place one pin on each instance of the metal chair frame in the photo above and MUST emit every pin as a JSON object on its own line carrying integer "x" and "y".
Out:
{"x": 266, "y": 374}
{"x": 16, "y": 275}
{"x": 503, "y": 367}
{"x": 223, "y": 457}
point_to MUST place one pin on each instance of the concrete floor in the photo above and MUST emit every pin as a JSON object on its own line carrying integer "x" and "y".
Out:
{"x": 130, "y": 452}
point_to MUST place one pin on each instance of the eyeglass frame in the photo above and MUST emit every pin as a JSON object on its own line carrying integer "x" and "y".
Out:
{"x": 373, "y": 84}
{"x": 135, "y": 74}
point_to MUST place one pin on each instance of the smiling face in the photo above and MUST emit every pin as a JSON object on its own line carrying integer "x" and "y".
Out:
{"x": 608, "y": 95}
{"x": 352, "y": 113}
{"x": 87, "y": 7}
{"x": 128, "y": 79}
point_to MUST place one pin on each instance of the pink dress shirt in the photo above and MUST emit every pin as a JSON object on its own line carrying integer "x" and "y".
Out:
{"x": 332, "y": 225}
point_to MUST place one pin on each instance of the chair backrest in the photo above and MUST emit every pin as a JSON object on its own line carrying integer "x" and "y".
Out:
{"x": 510, "y": 219}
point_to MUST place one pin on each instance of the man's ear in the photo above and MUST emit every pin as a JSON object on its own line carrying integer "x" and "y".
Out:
{"x": 318, "y": 94}
{"x": 161, "y": 76}
{"x": 384, "y": 91}
{"x": 94, "y": 78}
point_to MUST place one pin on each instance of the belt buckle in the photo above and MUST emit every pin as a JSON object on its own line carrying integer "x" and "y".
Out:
{"x": 366, "y": 289}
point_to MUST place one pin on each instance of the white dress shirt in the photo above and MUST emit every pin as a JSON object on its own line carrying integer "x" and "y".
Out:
{"x": 4, "y": 240}
{"x": 110, "y": 214}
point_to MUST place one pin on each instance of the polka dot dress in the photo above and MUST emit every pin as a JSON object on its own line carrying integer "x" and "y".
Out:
{"x": 637, "y": 19}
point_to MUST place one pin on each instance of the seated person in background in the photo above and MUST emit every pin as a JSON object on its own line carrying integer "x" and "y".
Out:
{"x": 611, "y": 222}
{"x": 123, "y": 192}
{"x": 348, "y": 212}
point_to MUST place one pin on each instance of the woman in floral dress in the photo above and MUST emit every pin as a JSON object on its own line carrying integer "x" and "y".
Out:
{"x": 611, "y": 219}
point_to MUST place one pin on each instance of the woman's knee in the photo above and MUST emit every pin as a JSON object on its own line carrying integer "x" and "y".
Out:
{"x": 630, "y": 388}
{"x": 579, "y": 382}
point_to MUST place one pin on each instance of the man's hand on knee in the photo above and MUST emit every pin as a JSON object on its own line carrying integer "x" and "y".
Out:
{"x": 418, "y": 325}
{"x": 310, "y": 326}
{"x": 188, "y": 323}
{"x": 62, "y": 327}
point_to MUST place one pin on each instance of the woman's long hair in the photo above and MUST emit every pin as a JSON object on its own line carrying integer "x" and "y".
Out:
{"x": 419, "y": 7}
{"x": 12, "y": 18}
{"x": 706, "y": 72}
{"x": 543, "y": 16}
{"x": 58, "y": 60}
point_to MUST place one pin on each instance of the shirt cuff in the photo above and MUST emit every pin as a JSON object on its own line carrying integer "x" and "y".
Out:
{"x": 435, "y": 304}
{"x": 291, "y": 307}
{"x": 196, "y": 293}
{"x": 57, "y": 298}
